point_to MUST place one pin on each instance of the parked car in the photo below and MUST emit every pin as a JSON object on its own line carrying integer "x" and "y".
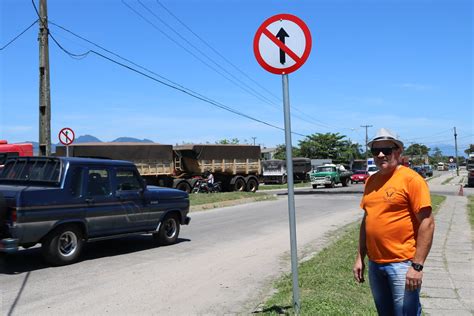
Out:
{"x": 428, "y": 170}
{"x": 62, "y": 203}
{"x": 371, "y": 169}
{"x": 359, "y": 176}
{"x": 421, "y": 171}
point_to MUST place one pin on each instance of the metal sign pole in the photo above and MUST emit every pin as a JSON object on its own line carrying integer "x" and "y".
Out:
{"x": 67, "y": 151}
{"x": 291, "y": 195}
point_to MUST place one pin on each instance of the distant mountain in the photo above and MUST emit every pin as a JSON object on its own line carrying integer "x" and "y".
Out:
{"x": 87, "y": 139}
{"x": 90, "y": 139}
{"x": 131, "y": 140}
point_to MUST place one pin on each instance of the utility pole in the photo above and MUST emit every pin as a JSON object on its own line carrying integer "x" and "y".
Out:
{"x": 254, "y": 140}
{"x": 456, "y": 150}
{"x": 44, "y": 88}
{"x": 366, "y": 141}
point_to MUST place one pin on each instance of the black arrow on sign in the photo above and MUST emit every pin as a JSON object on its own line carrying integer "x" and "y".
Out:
{"x": 281, "y": 36}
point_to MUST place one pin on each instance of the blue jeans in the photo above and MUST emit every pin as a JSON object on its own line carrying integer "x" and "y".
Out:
{"x": 387, "y": 282}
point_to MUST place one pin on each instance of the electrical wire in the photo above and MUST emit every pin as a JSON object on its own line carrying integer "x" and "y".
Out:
{"x": 216, "y": 51}
{"x": 241, "y": 84}
{"x": 194, "y": 55}
{"x": 183, "y": 90}
{"x": 18, "y": 36}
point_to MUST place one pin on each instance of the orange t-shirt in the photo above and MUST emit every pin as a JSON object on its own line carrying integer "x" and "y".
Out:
{"x": 390, "y": 203}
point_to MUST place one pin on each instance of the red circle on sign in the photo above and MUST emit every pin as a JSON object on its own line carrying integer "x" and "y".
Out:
{"x": 64, "y": 133}
{"x": 302, "y": 58}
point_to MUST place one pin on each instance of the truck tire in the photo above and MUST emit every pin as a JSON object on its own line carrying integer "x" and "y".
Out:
{"x": 345, "y": 182}
{"x": 252, "y": 185}
{"x": 239, "y": 184}
{"x": 3, "y": 215}
{"x": 315, "y": 186}
{"x": 63, "y": 245}
{"x": 184, "y": 186}
{"x": 169, "y": 231}
{"x": 330, "y": 185}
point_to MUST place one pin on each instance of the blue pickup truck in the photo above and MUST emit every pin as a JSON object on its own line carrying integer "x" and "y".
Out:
{"x": 62, "y": 203}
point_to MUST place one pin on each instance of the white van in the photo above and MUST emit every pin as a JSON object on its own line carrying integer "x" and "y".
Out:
{"x": 371, "y": 169}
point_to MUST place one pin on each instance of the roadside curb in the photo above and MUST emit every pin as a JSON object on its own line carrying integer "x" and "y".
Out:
{"x": 448, "y": 286}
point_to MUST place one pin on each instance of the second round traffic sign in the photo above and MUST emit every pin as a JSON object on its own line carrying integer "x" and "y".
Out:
{"x": 282, "y": 44}
{"x": 66, "y": 136}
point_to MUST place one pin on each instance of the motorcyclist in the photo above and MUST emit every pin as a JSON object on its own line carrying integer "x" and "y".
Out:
{"x": 209, "y": 177}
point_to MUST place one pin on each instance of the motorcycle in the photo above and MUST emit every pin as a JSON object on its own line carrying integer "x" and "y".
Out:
{"x": 202, "y": 186}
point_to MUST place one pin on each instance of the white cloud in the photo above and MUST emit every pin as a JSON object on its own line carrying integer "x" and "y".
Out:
{"x": 415, "y": 86}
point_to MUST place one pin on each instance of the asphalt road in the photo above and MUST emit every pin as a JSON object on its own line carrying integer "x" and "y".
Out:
{"x": 224, "y": 263}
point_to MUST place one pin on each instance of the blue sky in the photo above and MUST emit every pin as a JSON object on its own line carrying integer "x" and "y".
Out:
{"x": 403, "y": 65}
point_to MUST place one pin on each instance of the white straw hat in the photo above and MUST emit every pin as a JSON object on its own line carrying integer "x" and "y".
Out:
{"x": 386, "y": 134}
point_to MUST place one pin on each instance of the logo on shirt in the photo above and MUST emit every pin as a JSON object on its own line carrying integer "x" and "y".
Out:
{"x": 389, "y": 194}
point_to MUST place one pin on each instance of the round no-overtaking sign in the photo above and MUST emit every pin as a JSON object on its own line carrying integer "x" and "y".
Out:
{"x": 282, "y": 44}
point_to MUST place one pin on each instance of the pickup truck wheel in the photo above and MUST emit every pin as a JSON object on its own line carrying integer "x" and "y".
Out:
{"x": 315, "y": 186}
{"x": 331, "y": 185}
{"x": 345, "y": 182}
{"x": 169, "y": 231}
{"x": 63, "y": 245}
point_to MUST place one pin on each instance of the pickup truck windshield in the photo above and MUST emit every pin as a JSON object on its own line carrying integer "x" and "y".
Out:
{"x": 325, "y": 169}
{"x": 31, "y": 169}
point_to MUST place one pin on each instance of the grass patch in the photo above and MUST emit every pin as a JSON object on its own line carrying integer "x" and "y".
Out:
{"x": 447, "y": 180}
{"x": 282, "y": 186}
{"x": 436, "y": 201}
{"x": 204, "y": 198}
{"x": 327, "y": 286}
{"x": 470, "y": 208}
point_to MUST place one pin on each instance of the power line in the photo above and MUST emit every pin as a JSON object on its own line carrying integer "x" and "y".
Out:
{"x": 18, "y": 36}
{"x": 263, "y": 99}
{"x": 216, "y": 51}
{"x": 169, "y": 84}
{"x": 242, "y": 84}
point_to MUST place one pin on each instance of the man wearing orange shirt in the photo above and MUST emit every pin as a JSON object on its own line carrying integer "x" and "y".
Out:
{"x": 396, "y": 232}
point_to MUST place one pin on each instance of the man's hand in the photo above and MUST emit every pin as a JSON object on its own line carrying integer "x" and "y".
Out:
{"x": 413, "y": 279}
{"x": 358, "y": 270}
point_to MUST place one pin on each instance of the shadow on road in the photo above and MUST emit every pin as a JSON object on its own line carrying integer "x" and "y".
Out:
{"x": 28, "y": 260}
{"x": 275, "y": 309}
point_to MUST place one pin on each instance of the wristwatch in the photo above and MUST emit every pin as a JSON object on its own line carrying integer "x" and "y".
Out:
{"x": 418, "y": 267}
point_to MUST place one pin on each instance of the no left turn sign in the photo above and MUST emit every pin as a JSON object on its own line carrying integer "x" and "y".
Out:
{"x": 282, "y": 44}
{"x": 66, "y": 136}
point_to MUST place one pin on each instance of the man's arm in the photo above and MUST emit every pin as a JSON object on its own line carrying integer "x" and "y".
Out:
{"x": 423, "y": 246}
{"x": 359, "y": 265}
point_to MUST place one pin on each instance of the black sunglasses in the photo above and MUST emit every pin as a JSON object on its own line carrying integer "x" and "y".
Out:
{"x": 385, "y": 150}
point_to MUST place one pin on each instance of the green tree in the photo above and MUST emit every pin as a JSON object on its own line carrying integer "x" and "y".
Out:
{"x": 417, "y": 152}
{"x": 328, "y": 146}
{"x": 437, "y": 156}
{"x": 280, "y": 152}
{"x": 469, "y": 150}
{"x": 226, "y": 141}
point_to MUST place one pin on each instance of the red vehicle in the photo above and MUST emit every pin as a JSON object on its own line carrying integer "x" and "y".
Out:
{"x": 359, "y": 176}
{"x": 14, "y": 150}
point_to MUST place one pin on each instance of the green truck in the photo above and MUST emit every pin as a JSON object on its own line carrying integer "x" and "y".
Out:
{"x": 329, "y": 175}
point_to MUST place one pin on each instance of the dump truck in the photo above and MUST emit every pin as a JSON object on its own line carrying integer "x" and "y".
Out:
{"x": 8, "y": 150}
{"x": 274, "y": 170}
{"x": 236, "y": 166}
